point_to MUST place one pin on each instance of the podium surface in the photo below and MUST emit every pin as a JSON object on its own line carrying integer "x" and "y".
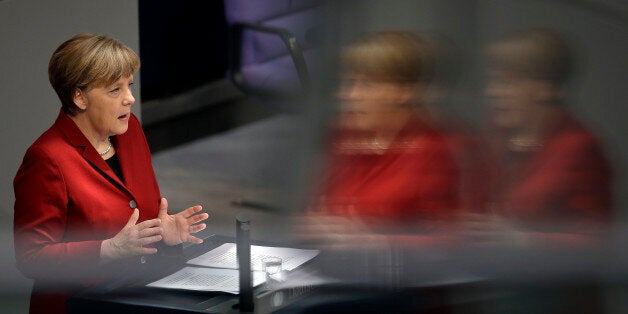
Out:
{"x": 131, "y": 295}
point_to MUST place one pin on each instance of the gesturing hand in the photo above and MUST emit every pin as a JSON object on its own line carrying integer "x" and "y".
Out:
{"x": 130, "y": 241}
{"x": 178, "y": 228}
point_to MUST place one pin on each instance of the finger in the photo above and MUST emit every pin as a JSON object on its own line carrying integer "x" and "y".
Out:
{"x": 163, "y": 206}
{"x": 197, "y": 228}
{"x": 147, "y": 232}
{"x": 134, "y": 217}
{"x": 193, "y": 239}
{"x": 147, "y": 250}
{"x": 191, "y": 210}
{"x": 156, "y": 222}
{"x": 196, "y": 218}
{"x": 149, "y": 240}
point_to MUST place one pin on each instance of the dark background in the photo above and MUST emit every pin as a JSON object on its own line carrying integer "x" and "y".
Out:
{"x": 183, "y": 44}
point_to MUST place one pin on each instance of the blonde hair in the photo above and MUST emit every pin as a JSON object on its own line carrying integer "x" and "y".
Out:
{"x": 535, "y": 53}
{"x": 86, "y": 61}
{"x": 399, "y": 56}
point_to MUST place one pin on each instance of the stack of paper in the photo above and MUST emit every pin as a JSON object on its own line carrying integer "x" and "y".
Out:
{"x": 222, "y": 274}
{"x": 206, "y": 279}
{"x": 225, "y": 256}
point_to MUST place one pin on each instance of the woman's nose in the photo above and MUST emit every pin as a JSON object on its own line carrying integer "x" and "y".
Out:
{"x": 351, "y": 91}
{"x": 129, "y": 99}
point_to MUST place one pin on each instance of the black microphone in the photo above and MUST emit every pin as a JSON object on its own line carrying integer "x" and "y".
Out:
{"x": 243, "y": 247}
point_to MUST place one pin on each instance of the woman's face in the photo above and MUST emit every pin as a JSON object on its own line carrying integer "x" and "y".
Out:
{"x": 107, "y": 109}
{"x": 513, "y": 99}
{"x": 368, "y": 104}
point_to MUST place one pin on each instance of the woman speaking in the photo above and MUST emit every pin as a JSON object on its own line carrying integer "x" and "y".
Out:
{"x": 87, "y": 203}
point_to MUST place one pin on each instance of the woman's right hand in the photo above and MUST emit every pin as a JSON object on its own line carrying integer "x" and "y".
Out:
{"x": 132, "y": 239}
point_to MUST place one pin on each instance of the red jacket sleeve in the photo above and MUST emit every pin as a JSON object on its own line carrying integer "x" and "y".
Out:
{"x": 40, "y": 223}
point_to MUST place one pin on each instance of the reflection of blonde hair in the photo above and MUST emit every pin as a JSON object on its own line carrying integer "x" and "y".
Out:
{"x": 399, "y": 56}
{"x": 534, "y": 53}
{"x": 85, "y": 61}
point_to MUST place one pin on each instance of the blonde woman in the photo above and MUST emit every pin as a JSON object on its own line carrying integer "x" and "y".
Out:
{"x": 87, "y": 203}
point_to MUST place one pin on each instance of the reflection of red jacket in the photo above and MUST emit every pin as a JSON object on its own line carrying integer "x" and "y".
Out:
{"x": 67, "y": 200}
{"x": 414, "y": 180}
{"x": 565, "y": 183}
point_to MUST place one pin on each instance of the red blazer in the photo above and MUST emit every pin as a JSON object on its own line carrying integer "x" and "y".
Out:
{"x": 414, "y": 181}
{"x": 564, "y": 185}
{"x": 68, "y": 200}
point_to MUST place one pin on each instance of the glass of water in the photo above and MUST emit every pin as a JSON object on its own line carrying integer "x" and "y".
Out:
{"x": 271, "y": 266}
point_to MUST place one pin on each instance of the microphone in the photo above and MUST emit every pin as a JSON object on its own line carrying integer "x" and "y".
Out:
{"x": 243, "y": 248}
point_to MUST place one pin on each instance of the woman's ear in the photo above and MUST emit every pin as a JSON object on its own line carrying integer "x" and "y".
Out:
{"x": 79, "y": 99}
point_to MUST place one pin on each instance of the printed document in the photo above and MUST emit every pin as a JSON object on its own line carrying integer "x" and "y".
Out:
{"x": 206, "y": 279}
{"x": 225, "y": 256}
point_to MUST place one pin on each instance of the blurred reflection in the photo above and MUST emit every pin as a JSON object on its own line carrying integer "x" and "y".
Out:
{"x": 408, "y": 199}
{"x": 464, "y": 141}
{"x": 553, "y": 181}
{"x": 389, "y": 175}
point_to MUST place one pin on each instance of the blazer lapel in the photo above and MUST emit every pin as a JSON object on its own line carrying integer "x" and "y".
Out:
{"x": 76, "y": 138}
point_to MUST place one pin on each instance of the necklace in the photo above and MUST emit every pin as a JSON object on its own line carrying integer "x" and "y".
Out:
{"x": 106, "y": 150}
{"x": 378, "y": 147}
{"x": 521, "y": 145}
{"x": 377, "y": 144}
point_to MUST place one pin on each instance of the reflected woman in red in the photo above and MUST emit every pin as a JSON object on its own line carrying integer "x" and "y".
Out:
{"x": 388, "y": 171}
{"x": 554, "y": 179}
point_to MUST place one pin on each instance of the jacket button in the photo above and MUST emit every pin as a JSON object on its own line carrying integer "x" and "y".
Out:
{"x": 132, "y": 204}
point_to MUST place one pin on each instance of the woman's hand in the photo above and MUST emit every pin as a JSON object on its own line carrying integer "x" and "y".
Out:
{"x": 132, "y": 239}
{"x": 178, "y": 228}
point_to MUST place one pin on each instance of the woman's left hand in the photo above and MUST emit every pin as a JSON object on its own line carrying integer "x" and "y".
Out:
{"x": 178, "y": 228}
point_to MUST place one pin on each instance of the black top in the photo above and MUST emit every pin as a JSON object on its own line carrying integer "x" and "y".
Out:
{"x": 114, "y": 163}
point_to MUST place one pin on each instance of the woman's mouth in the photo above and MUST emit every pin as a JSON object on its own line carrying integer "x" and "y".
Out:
{"x": 124, "y": 116}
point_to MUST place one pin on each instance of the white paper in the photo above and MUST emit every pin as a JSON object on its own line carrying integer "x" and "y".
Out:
{"x": 225, "y": 256}
{"x": 206, "y": 279}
